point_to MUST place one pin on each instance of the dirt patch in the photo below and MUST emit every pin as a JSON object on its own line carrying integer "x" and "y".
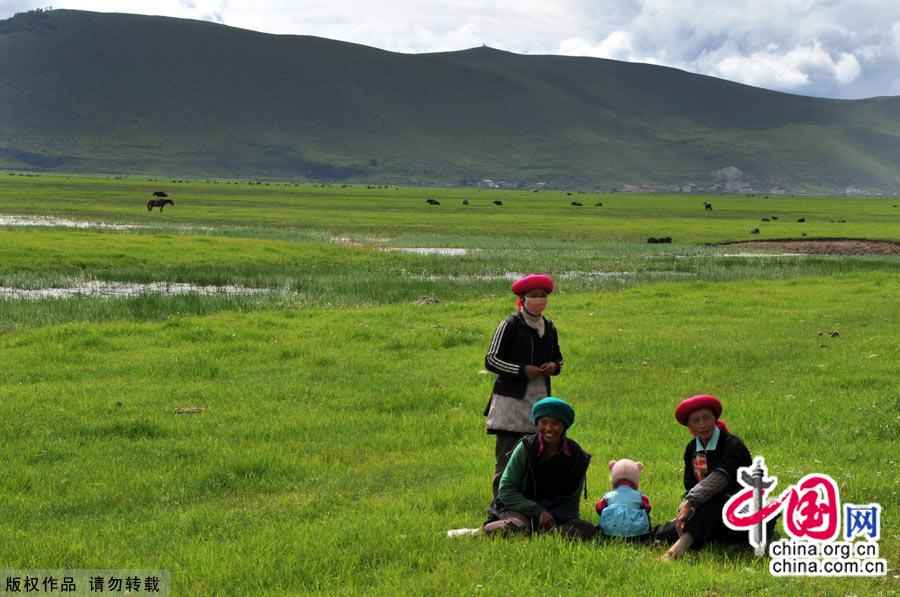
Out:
{"x": 822, "y": 246}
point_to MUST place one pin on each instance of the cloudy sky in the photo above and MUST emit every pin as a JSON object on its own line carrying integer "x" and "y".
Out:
{"x": 826, "y": 48}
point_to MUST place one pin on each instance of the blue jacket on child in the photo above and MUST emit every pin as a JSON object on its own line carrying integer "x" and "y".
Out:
{"x": 623, "y": 512}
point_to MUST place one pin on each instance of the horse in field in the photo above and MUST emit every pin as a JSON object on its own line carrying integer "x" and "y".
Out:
{"x": 160, "y": 203}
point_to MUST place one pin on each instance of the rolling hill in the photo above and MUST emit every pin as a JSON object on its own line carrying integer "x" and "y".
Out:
{"x": 114, "y": 93}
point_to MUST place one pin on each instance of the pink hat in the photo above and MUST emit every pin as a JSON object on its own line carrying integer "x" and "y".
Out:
{"x": 695, "y": 403}
{"x": 625, "y": 470}
{"x": 532, "y": 281}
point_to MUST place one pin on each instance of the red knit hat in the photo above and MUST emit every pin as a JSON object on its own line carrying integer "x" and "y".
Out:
{"x": 532, "y": 281}
{"x": 695, "y": 403}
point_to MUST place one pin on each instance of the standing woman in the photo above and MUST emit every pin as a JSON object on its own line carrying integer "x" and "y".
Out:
{"x": 711, "y": 463}
{"x": 524, "y": 353}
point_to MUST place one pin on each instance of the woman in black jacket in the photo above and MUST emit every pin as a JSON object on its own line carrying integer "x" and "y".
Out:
{"x": 711, "y": 463}
{"x": 524, "y": 353}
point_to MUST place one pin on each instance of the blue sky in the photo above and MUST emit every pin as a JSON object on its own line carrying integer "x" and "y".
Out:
{"x": 825, "y": 48}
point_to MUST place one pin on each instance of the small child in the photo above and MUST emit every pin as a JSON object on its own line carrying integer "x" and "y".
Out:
{"x": 624, "y": 511}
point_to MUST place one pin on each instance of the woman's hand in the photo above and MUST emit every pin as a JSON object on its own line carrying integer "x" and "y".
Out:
{"x": 546, "y": 520}
{"x": 547, "y": 369}
{"x": 685, "y": 511}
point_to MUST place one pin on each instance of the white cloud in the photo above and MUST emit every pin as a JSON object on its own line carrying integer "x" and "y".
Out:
{"x": 792, "y": 70}
{"x": 762, "y": 70}
{"x": 846, "y": 69}
{"x": 896, "y": 31}
{"x": 616, "y": 46}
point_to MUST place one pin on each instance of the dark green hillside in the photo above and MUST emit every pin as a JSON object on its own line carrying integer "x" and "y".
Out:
{"x": 93, "y": 92}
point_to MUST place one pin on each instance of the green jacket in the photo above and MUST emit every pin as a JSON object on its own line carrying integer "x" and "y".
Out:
{"x": 531, "y": 485}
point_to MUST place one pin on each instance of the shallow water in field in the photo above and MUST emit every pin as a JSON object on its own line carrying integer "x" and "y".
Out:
{"x": 596, "y": 274}
{"x": 516, "y": 275}
{"x": 464, "y": 277}
{"x": 757, "y": 255}
{"x": 122, "y": 290}
{"x": 347, "y": 240}
{"x": 53, "y": 222}
{"x": 456, "y": 252}
{"x": 8, "y": 220}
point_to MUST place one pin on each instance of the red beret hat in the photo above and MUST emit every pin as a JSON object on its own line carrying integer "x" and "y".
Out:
{"x": 532, "y": 281}
{"x": 695, "y": 403}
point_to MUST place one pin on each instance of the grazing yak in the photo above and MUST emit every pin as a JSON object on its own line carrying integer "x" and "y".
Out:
{"x": 159, "y": 194}
{"x": 497, "y": 202}
{"x": 707, "y": 206}
{"x": 430, "y": 201}
{"x": 576, "y": 203}
{"x": 801, "y": 219}
{"x": 754, "y": 231}
{"x": 598, "y": 204}
{"x": 160, "y": 203}
{"x": 465, "y": 201}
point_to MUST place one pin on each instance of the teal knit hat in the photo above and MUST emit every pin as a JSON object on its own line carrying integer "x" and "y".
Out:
{"x": 553, "y": 407}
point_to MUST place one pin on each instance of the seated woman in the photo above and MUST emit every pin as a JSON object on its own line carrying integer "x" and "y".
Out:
{"x": 542, "y": 482}
{"x": 711, "y": 463}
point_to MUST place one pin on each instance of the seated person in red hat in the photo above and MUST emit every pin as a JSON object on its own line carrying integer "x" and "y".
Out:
{"x": 543, "y": 481}
{"x": 711, "y": 463}
{"x": 524, "y": 353}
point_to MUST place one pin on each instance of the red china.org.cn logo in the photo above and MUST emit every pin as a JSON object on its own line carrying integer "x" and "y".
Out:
{"x": 811, "y": 511}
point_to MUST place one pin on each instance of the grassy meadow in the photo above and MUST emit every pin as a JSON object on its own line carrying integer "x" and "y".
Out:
{"x": 342, "y": 433}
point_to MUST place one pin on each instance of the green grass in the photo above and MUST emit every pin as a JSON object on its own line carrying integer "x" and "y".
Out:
{"x": 342, "y": 434}
{"x": 282, "y": 237}
{"x": 281, "y": 210}
{"x": 339, "y": 444}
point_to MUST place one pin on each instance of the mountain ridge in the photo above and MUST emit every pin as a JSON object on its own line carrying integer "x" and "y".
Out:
{"x": 115, "y": 93}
